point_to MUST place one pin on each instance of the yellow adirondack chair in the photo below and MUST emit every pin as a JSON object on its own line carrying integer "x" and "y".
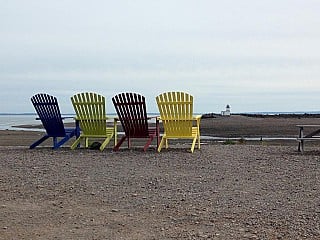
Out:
{"x": 91, "y": 114}
{"x": 176, "y": 114}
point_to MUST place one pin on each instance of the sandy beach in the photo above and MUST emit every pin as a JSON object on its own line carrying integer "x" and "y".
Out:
{"x": 226, "y": 190}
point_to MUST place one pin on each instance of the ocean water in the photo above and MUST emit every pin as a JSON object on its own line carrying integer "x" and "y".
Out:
{"x": 16, "y": 121}
{"x": 12, "y": 122}
{"x": 7, "y": 122}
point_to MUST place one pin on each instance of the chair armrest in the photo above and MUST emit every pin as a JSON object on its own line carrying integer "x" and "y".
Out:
{"x": 148, "y": 118}
{"x": 153, "y": 117}
{"x": 197, "y": 117}
{"x": 308, "y": 125}
{"x": 90, "y": 119}
{"x": 67, "y": 117}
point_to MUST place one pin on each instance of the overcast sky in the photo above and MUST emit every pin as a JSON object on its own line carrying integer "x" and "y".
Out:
{"x": 254, "y": 55}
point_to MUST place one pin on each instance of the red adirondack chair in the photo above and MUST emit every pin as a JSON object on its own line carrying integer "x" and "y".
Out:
{"x": 132, "y": 113}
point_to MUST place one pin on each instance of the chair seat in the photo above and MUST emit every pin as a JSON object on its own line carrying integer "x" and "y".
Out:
{"x": 192, "y": 136}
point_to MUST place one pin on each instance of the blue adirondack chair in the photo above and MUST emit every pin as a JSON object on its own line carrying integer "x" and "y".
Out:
{"x": 48, "y": 111}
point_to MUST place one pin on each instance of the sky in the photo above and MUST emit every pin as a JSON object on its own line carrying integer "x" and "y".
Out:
{"x": 256, "y": 56}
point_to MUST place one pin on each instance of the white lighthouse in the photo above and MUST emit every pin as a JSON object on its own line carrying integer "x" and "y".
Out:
{"x": 227, "y": 111}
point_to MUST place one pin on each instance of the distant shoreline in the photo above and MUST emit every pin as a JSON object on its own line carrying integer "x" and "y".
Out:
{"x": 267, "y": 115}
{"x": 208, "y": 114}
{"x": 299, "y": 118}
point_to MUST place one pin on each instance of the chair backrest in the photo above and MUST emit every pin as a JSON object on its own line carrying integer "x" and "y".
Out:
{"x": 132, "y": 113}
{"x": 48, "y": 111}
{"x": 176, "y": 112}
{"x": 91, "y": 113}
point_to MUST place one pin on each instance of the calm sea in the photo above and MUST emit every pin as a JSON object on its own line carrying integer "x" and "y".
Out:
{"x": 13, "y": 121}
{"x": 8, "y": 121}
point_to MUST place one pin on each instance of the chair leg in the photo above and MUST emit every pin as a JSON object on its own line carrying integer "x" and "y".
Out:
{"x": 161, "y": 143}
{"x": 105, "y": 143}
{"x": 33, "y": 145}
{"x": 116, "y": 147}
{"x": 129, "y": 142}
{"x": 157, "y": 132}
{"x": 158, "y": 140}
{"x": 62, "y": 141}
{"x": 148, "y": 143}
{"x": 55, "y": 141}
{"x": 115, "y": 132}
{"x": 193, "y": 144}
{"x": 76, "y": 143}
{"x": 86, "y": 142}
{"x": 302, "y": 146}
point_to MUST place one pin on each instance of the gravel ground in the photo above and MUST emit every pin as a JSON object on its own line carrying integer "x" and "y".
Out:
{"x": 220, "y": 192}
